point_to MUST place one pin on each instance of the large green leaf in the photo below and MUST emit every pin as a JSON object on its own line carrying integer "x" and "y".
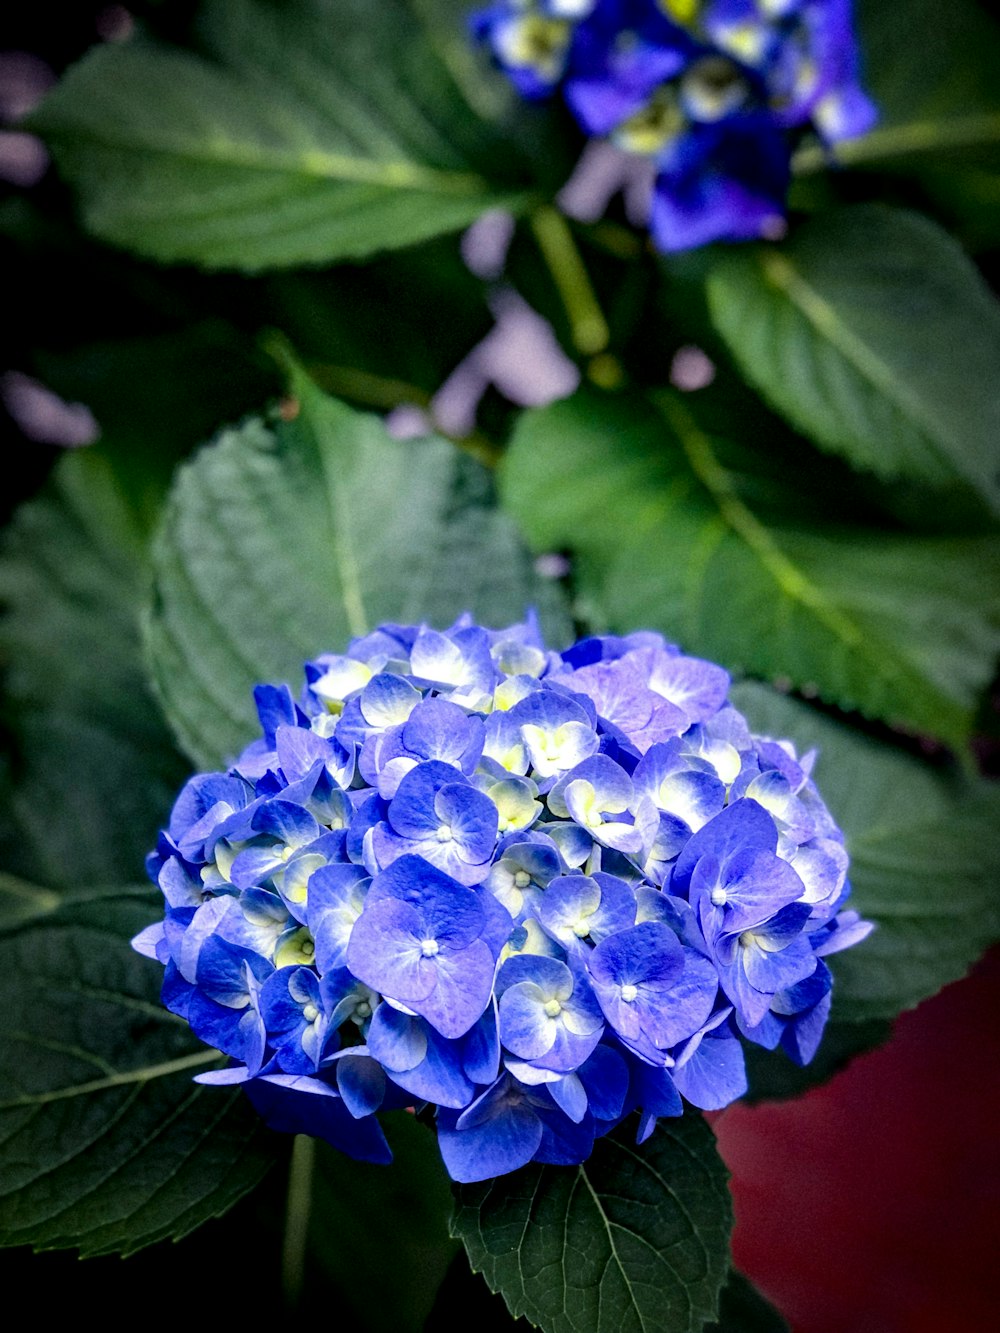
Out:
{"x": 308, "y": 131}
{"x": 874, "y": 335}
{"x": 283, "y": 542}
{"x": 93, "y": 768}
{"x": 105, "y": 1143}
{"x": 925, "y": 858}
{"x": 682, "y": 531}
{"x": 634, "y": 1240}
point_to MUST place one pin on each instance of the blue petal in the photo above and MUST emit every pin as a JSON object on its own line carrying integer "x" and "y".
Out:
{"x": 437, "y": 729}
{"x": 714, "y": 1074}
{"x": 472, "y": 818}
{"x": 605, "y": 1077}
{"x": 360, "y": 1081}
{"x": 463, "y": 990}
{"x": 452, "y": 911}
{"x": 386, "y": 951}
{"x": 481, "y": 1048}
{"x": 419, "y": 1060}
{"x": 299, "y": 1105}
{"x": 569, "y": 1095}
{"x": 563, "y": 1142}
{"x": 275, "y": 707}
{"x": 500, "y": 1132}
{"x": 336, "y": 900}
{"x": 728, "y": 182}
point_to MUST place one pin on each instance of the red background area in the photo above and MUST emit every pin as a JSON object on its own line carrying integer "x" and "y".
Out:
{"x": 871, "y": 1205}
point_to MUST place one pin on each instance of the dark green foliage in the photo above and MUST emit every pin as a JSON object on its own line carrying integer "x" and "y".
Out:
{"x": 401, "y": 1211}
{"x": 224, "y": 160}
{"x": 836, "y": 535}
{"x": 742, "y": 1309}
{"x": 773, "y": 1077}
{"x": 632, "y": 1241}
{"x": 680, "y": 530}
{"x": 105, "y": 1143}
{"x": 87, "y": 739}
{"x": 874, "y": 334}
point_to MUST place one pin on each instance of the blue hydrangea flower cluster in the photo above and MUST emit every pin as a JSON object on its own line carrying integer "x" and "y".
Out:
{"x": 717, "y": 92}
{"x": 536, "y": 891}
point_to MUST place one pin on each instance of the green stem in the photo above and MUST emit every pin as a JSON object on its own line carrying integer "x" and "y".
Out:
{"x": 378, "y": 391}
{"x": 383, "y": 394}
{"x": 617, "y": 240}
{"x": 297, "y": 1210}
{"x": 587, "y": 326}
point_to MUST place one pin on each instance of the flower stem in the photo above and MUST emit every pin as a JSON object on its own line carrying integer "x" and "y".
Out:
{"x": 587, "y": 326}
{"x": 297, "y": 1210}
{"x": 383, "y": 394}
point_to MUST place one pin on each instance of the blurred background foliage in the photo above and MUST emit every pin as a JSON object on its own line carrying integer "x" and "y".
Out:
{"x": 715, "y": 384}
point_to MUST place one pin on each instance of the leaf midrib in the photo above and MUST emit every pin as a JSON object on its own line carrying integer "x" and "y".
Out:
{"x": 610, "y": 1227}
{"x": 316, "y": 163}
{"x": 791, "y": 582}
{"x": 782, "y": 275}
{"x": 345, "y": 560}
{"x": 124, "y": 1078}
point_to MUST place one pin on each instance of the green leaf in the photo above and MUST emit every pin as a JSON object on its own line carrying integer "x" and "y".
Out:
{"x": 93, "y": 769}
{"x": 279, "y": 544}
{"x": 308, "y": 131}
{"x": 376, "y": 1212}
{"x": 925, "y": 858}
{"x": 634, "y": 1240}
{"x": 681, "y": 531}
{"x": 105, "y": 1143}
{"x": 742, "y": 1309}
{"x": 875, "y": 336}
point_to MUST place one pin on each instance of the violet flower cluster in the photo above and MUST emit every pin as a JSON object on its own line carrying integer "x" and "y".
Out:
{"x": 536, "y": 891}
{"x": 715, "y": 92}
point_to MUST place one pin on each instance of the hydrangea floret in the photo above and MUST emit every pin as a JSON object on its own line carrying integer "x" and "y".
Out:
{"x": 717, "y": 93}
{"x": 534, "y": 892}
